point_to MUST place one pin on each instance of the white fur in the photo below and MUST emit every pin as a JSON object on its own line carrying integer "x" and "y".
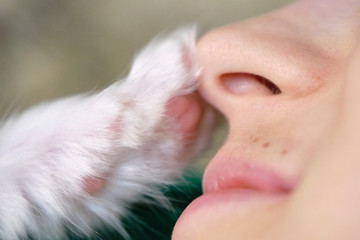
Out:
{"x": 121, "y": 134}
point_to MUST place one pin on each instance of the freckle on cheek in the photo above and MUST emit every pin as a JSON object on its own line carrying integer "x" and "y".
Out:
{"x": 255, "y": 140}
{"x": 265, "y": 145}
{"x": 284, "y": 152}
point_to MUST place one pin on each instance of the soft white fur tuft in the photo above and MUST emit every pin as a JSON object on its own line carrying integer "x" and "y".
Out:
{"x": 121, "y": 134}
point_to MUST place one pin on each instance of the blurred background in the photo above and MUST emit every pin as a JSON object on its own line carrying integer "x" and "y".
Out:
{"x": 55, "y": 48}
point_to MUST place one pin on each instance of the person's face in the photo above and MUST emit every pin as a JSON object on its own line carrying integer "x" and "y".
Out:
{"x": 279, "y": 80}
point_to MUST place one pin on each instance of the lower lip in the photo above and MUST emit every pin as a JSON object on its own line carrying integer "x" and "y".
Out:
{"x": 241, "y": 200}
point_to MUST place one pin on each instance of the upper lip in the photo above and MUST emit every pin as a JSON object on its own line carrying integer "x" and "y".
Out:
{"x": 229, "y": 173}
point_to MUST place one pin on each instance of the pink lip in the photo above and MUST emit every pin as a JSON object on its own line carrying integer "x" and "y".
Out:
{"x": 235, "y": 186}
{"x": 234, "y": 173}
{"x": 240, "y": 186}
{"x": 241, "y": 200}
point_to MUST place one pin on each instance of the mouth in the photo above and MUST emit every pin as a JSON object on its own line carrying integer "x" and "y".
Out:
{"x": 239, "y": 186}
{"x": 230, "y": 173}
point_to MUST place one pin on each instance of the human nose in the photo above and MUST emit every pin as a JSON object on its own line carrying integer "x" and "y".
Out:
{"x": 266, "y": 56}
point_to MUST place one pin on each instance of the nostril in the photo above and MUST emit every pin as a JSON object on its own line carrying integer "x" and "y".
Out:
{"x": 246, "y": 83}
{"x": 270, "y": 85}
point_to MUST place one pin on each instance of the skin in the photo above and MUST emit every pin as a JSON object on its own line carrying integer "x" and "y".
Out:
{"x": 308, "y": 133}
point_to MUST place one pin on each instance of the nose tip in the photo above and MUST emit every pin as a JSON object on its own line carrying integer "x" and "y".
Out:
{"x": 228, "y": 57}
{"x": 233, "y": 64}
{"x": 213, "y": 52}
